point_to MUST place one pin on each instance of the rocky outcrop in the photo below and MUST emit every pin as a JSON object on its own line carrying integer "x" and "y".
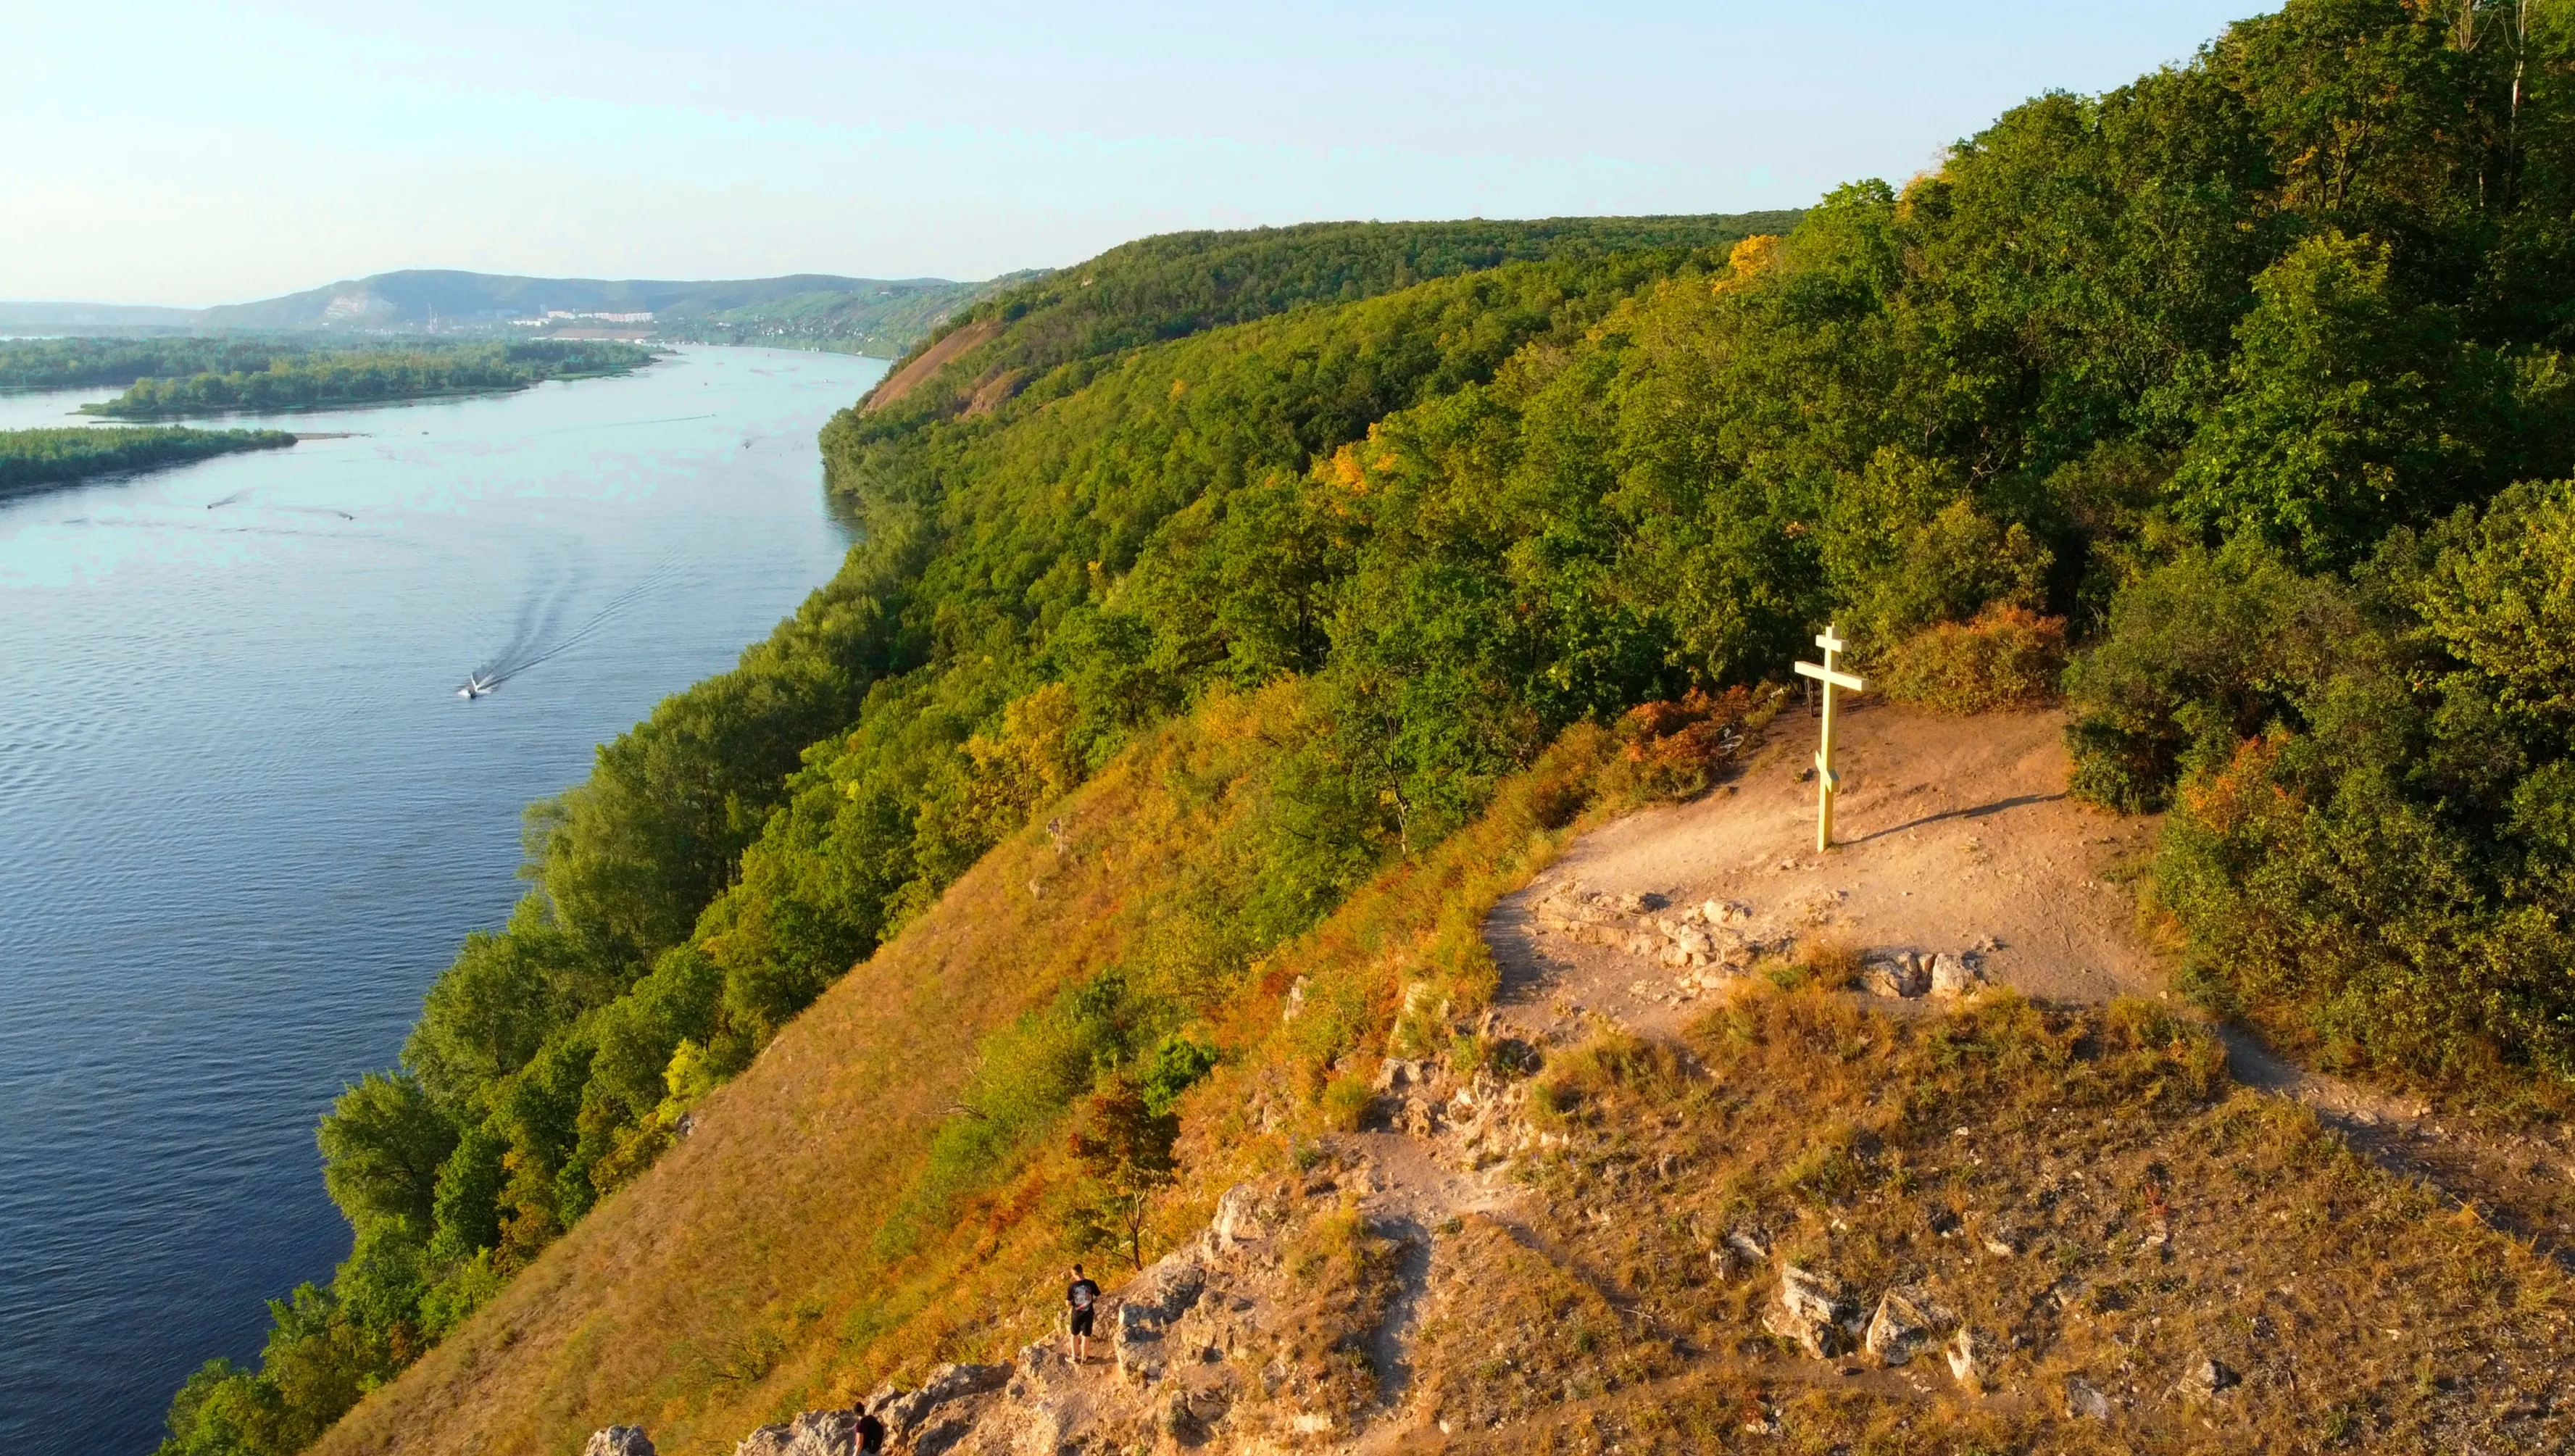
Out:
{"x": 1709, "y": 943}
{"x": 1147, "y": 1309}
{"x": 619, "y": 1441}
{"x": 815, "y": 1433}
{"x": 1910, "y": 973}
{"x": 1816, "y": 1310}
{"x": 935, "y": 1417}
{"x": 1908, "y": 1319}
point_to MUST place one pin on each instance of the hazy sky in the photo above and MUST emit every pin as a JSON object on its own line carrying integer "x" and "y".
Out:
{"x": 174, "y": 151}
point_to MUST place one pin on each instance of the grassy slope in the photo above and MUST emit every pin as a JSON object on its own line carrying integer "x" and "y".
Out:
{"x": 751, "y": 1273}
{"x": 735, "y": 1278}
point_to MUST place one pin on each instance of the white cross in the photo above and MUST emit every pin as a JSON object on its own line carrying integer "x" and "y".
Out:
{"x": 1825, "y": 782}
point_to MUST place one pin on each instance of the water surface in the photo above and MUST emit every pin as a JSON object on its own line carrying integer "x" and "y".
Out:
{"x": 245, "y": 820}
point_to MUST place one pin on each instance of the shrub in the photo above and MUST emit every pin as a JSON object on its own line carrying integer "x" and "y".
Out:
{"x": 1344, "y": 1101}
{"x": 2010, "y": 656}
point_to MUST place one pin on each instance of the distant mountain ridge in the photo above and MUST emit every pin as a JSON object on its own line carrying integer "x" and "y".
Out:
{"x": 801, "y": 310}
{"x": 421, "y": 296}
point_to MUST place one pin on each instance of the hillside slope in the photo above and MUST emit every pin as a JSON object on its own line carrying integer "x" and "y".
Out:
{"x": 1572, "y": 1238}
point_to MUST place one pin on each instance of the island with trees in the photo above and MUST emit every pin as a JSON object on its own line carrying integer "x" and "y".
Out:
{"x": 321, "y": 378}
{"x": 54, "y": 457}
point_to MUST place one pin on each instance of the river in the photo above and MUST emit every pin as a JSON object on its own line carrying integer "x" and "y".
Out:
{"x": 245, "y": 819}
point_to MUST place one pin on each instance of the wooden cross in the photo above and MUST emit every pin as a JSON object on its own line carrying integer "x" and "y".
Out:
{"x": 1825, "y": 782}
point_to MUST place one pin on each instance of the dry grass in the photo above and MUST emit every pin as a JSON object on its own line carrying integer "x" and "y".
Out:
{"x": 751, "y": 1272}
{"x": 2159, "y": 1217}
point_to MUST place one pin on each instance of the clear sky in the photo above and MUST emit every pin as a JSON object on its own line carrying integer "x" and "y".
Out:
{"x": 175, "y": 151}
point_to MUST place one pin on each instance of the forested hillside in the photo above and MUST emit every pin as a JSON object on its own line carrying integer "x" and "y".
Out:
{"x": 2245, "y": 380}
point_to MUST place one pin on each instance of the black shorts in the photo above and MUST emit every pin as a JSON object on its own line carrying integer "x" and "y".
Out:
{"x": 1082, "y": 1321}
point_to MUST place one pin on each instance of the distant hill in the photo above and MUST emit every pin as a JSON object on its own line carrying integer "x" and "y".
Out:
{"x": 419, "y": 297}
{"x": 804, "y": 310}
{"x": 61, "y": 318}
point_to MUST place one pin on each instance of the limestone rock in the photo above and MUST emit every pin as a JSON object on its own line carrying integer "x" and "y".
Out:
{"x": 2084, "y": 1400}
{"x": 1967, "y": 1357}
{"x": 2207, "y": 1379}
{"x": 1955, "y": 975}
{"x": 1814, "y": 1310}
{"x": 1147, "y": 1310}
{"x": 1907, "y": 1318}
{"x": 619, "y": 1441}
{"x": 1897, "y": 974}
{"x": 904, "y": 1414}
{"x": 1243, "y": 1215}
{"x": 815, "y": 1433}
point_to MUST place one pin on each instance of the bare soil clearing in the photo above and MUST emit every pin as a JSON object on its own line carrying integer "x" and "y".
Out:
{"x": 903, "y": 381}
{"x": 1956, "y": 835}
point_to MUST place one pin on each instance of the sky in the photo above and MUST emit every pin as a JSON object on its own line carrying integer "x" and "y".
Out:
{"x": 176, "y": 152}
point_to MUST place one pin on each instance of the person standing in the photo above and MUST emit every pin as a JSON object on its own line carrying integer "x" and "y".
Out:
{"x": 1082, "y": 1297}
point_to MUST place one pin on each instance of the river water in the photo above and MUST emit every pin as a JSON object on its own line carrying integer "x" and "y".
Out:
{"x": 245, "y": 819}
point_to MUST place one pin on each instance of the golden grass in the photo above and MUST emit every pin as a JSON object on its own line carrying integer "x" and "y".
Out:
{"x": 746, "y": 1274}
{"x": 2359, "y": 1311}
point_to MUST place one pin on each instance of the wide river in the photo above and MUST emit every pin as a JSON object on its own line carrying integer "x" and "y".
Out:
{"x": 245, "y": 819}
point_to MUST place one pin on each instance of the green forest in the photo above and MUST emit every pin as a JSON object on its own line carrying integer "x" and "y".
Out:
{"x": 59, "y": 364}
{"x": 233, "y": 377}
{"x": 31, "y": 458}
{"x": 882, "y": 321}
{"x": 2232, "y": 403}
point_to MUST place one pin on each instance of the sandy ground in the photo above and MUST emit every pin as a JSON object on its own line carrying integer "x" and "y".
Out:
{"x": 1953, "y": 834}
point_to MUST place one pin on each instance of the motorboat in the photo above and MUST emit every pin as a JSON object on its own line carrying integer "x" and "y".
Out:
{"x": 475, "y": 686}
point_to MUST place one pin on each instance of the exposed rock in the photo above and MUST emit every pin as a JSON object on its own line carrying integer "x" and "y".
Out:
{"x": 1148, "y": 1308}
{"x": 2208, "y": 1378}
{"x": 2084, "y": 1401}
{"x": 1966, "y": 1353}
{"x": 1749, "y": 1246}
{"x": 1897, "y": 974}
{"x": 1395, "y": 1075}
{"x": 1907, "y": 1318}
{"x": 2001, "y": 1240}
{"x": 619, "y": 1441}
{"x": 1954, "y": 975}
{"x": 909, "y": 1412}
{"x": 815, "y": 1433}
{"x": 1724, "y": 912}
{"x": 1814, "y": 1310}
{"x": 1243, "y": 1215}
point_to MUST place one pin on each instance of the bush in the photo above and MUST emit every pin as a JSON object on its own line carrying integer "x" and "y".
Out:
{"x": 2010, "y": 656}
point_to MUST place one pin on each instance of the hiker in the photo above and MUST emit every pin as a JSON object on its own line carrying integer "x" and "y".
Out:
{"x": 1082, "y": 1297}
{"x": 872, "y": 1432}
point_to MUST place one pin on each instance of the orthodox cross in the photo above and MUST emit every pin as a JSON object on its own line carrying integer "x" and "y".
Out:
{"x": 1825, "y": 782}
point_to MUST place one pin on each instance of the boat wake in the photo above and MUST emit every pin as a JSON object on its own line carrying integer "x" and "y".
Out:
{"x": 539, "y": 637}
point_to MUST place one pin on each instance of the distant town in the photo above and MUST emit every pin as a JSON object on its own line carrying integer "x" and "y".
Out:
{"x": 556, "y": 316}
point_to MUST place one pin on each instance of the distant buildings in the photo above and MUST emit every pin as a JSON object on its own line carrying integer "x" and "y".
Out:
{"x": 553, "y": 316}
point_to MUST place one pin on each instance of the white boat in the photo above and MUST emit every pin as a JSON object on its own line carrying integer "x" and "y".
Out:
{"x": 475, "y": 686}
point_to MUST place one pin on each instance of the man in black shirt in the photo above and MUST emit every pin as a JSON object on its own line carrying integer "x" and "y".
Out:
{"x": 872, "y": 1432}
{"x": 1082, "y": 1298}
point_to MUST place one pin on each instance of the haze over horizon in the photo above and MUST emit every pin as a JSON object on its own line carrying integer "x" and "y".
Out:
{"x": 284, "y": 144}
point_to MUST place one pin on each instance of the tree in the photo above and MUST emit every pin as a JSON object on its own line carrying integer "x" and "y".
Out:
{"x": 1123, "y": 1149}
{"x": 383, "y": 1143}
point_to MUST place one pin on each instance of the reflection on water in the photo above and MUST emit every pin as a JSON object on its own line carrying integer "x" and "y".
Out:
{"x": 245, "y": 818}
